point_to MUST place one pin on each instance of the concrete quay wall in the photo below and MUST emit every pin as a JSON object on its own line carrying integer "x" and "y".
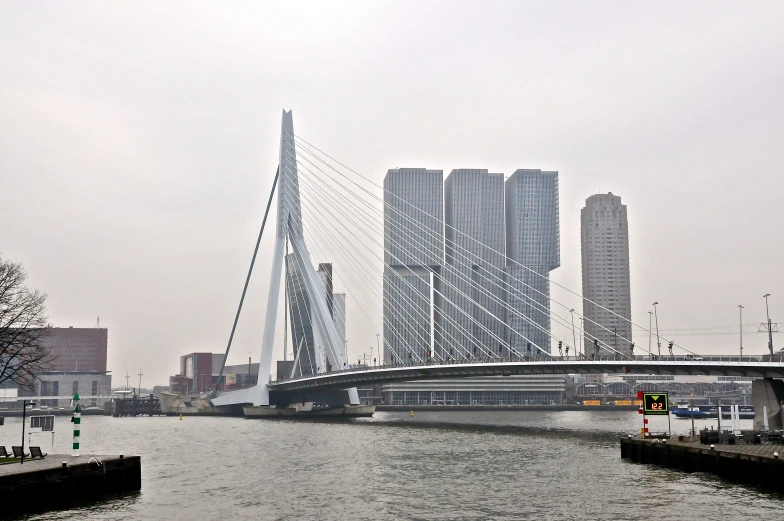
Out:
{"x": 43, "y": 485}
{"x": 744, "y": 464}
{"x": 559, "y": 407}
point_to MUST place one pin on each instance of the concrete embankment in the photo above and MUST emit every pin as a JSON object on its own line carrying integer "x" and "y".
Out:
{"x": 571, "y": 407}
{"x": 63, "y": 482}
{"x": 746, "y": 464}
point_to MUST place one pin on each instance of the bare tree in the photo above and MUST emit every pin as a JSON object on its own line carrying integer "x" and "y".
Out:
{"x": 22, "y": 328}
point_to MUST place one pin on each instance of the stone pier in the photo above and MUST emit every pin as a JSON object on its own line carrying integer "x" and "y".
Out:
{"x": 63, "y": 482}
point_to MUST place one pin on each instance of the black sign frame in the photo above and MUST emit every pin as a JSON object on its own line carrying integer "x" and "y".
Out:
{"x": 654, "y": 404}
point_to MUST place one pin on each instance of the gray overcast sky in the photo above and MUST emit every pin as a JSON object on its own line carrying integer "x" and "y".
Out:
{"x": 138, "y": 142}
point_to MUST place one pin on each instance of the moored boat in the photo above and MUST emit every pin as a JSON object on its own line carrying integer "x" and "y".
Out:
{"x": 699, "y": 412}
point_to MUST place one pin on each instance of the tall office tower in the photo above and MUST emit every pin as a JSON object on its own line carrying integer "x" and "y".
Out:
{"x": 301, "y": 314}
{"x": 532, "y": 246}
{"x": 473, "y": 274}
{"x": 339, "y": 318}
{"x": 607, "y": 304}
{"x": 413, "y": 256}
{"x": 325, "y": 276}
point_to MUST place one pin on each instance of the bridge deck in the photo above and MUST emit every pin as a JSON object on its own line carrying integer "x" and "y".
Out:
{"x": 721, "y": 366}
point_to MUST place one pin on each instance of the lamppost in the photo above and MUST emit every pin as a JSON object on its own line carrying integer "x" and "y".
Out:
{"x": 740, "y": 309}
{"x": 658, "y": 339}
{"x": 770, "y": 329}
{"x": 574, "y": 335}
{"x": 25, "y": 403}
{"x": 650, "y": 327}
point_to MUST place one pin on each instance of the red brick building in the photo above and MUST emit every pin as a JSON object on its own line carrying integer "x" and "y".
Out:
{"x": 77, "y": 348}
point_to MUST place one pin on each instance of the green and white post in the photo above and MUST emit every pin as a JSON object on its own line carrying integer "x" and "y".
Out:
{"x": 77, "y": 421}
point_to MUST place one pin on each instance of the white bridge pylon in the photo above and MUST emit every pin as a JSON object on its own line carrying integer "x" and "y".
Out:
{"x": 329, "y": 350}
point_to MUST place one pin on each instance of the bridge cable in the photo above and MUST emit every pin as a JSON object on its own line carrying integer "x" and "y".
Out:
{"x": 247, "y": 279}
{"x": 327, "y": 198}
{"x": 485, "y": 291}
{"x": 533, "y": 301}
{"x": 437, "y": 309}
{"x": 371, "y": 302}
{"x": 475, "y": 286}
{"x": 302, "y": 140}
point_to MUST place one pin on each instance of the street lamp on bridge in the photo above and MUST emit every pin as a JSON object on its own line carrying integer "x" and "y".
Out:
{"x": 658, "y": 339}
{"x": 770, "y": 329}
{"x": 740, "y": 309}
{"x": 574, "y": 335}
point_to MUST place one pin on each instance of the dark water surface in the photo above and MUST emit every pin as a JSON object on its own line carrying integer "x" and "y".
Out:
{"x": 433, "y": 466}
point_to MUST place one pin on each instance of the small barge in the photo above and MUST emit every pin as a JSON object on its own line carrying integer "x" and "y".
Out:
{"x": 701, "y": 412}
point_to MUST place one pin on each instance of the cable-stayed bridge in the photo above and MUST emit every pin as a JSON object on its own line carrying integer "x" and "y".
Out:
{"x": 756, "y": 367}
{"x": 450, "y": 304}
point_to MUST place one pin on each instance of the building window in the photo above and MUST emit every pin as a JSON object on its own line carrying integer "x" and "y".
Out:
{"x": 95, "y": 388}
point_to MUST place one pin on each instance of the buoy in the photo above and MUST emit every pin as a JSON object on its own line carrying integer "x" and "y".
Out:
{"x": 412, "y": 413}
{"x": 77, "y": 420}
{"x": 181, "y": 416}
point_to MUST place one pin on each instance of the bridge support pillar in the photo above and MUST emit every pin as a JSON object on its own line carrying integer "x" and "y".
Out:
{"x": 768, "y": 394}
{"x": 334, "y": 397}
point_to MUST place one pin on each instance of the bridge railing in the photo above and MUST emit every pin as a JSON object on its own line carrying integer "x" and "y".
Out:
{"x": 552, "y": 358}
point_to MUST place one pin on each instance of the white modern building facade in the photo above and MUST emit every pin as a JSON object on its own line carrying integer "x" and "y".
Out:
{"x": 413, "y": 257}
{"x": 481, "y": 390}
{"x": 607, "y": 309}
{"x": 533, "y": 251}
{"x": 473, "y": 272}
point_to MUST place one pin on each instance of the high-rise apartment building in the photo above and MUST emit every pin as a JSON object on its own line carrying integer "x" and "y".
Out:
{"x": 301, "y": 313}
{"x": 467, "y": 262}
{"x": 607, "y": 308}
{"x": 413, "y": 257}
{"x": 532, "y": 246}
{"x": 473, "y": 272}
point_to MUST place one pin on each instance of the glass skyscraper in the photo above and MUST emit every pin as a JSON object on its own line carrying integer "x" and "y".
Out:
{"x": 473, "y": 273}
{"x": 533, "y": 249}
{"x": 467, "y": 263}
{"x": 413, "y": 257}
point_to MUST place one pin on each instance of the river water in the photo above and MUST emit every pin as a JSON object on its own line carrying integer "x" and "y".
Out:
{"x": 432, "y": 466}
